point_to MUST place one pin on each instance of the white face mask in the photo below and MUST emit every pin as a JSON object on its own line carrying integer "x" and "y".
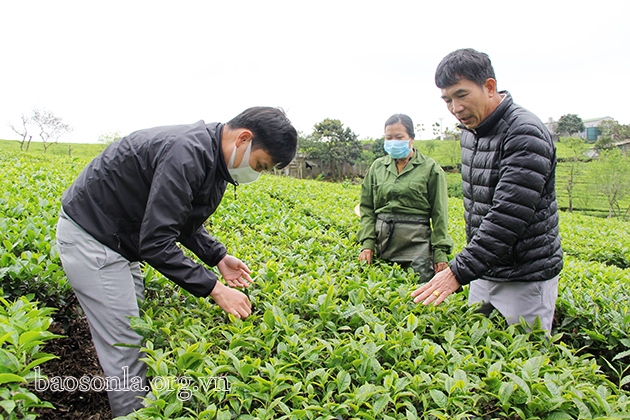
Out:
{"x": 243, "y": 174}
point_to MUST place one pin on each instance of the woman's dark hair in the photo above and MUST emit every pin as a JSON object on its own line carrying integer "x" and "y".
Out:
{"x": 272, "y": 131}
{"x": 464, "y": 64}
{"x": 404, "y": 120}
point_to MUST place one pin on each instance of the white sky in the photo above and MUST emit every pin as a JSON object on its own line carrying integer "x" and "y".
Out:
{"x": 106, "y": 66}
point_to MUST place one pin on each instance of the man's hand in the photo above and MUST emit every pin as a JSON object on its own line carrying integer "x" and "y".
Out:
{"x": 231, "y": 301}
{"x": 437, "y": 289}
{"x": 366, "y": 255}
{"x": 235, "y": 272}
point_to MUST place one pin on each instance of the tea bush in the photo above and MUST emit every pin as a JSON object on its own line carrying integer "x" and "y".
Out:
{"x": 29, "y": 206}
{"x": 330, "y": 337}
{"x": 593, "y": 239}
{"x": 23, "y": 330}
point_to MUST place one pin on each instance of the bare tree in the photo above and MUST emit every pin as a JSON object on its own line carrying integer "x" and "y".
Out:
{"x": 420, "y": 128}
{"x": 108, "y": 138}
{"x": 577, "y": 146}
{"x": 611, "y": 175}
{"x": 50, "y": 127}
{"x": 23, "y": 132}
{"x": 437, "y": 130}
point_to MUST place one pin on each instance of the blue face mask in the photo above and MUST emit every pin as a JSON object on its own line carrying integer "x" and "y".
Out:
{"x": 397, "y": 149}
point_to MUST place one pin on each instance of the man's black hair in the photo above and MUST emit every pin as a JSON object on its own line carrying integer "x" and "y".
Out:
{"x": 464, "y": 64}
{"x": 272, "y": 132}
{"x": 404, "y": 120}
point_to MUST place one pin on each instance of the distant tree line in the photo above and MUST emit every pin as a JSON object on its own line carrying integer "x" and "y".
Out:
{"x": 611, "y": 132}
{"x": 607, "y": 174}
{"x": 335, "y": 145}
{"x": 43, "y": 123}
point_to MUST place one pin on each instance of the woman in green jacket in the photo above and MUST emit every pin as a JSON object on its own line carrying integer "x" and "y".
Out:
{"x": 404, "y": 205}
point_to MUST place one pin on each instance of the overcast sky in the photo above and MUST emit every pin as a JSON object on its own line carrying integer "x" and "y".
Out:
{"x": 108, "y": 66}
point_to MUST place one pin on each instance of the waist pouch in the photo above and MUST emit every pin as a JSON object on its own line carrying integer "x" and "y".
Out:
{"x": 401, "y": 228}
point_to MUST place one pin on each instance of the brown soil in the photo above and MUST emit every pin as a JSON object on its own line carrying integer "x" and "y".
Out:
{"x": 77, "y": 358}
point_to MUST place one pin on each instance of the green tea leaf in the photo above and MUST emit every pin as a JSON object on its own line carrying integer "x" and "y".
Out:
{"x": 343, "y": 381}
{"x": 505, "y": 392}
{"x": 269, "y": 319}
{"x": 10, "y": 377}
{"x": 439, "y": 397}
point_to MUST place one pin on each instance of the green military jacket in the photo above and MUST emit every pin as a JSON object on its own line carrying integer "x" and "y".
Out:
{"x": 420, "y": 189}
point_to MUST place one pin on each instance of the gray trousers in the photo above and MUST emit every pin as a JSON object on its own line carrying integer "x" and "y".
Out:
{"x": 516, "y": 299}
{"x": 108, "y": 288}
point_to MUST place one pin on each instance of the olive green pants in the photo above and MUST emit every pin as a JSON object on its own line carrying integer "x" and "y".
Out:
{"x": 405, "y": 239}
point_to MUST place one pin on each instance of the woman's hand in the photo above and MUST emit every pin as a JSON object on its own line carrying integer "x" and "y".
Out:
{"x": 366, "y": 255}
{"x": 440, "y": 266}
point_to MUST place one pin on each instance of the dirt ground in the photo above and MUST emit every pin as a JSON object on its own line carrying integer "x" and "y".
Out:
{"x": 77, "y": 358}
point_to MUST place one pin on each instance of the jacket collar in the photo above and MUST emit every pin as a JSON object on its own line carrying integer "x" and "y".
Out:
{"x": 417, "y": 159}
{"x": 216, "y": 133}
{"x": 489, "y": 123}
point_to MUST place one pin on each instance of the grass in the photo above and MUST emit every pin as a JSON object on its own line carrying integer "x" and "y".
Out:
{"x": 66, "y": 149}
{"x": 586, "y": 198}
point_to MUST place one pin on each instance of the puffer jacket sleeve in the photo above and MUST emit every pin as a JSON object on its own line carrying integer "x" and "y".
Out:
{"x": 178, "y": 173}
{"x": 525, "y": 166}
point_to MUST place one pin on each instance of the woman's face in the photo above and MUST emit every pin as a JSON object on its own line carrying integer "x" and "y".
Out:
{"x": 395, "y": 137}
{"x": 398, "y": 132}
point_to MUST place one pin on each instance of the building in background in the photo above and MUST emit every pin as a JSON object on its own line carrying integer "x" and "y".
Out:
{"x": 591, "y": 132}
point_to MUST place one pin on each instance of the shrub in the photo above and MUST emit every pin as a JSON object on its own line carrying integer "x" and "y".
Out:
{"x": 23, "y": 330}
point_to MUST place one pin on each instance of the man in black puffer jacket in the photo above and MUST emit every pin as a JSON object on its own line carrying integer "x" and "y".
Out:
{"x": 513, "y": 257}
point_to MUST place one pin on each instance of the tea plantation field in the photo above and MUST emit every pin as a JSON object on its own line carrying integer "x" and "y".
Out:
{"x": 329, "y": 338}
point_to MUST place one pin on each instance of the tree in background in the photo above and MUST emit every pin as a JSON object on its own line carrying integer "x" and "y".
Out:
{"x": 611, "y": 133}
{"x": 420, "y": 129}
{"x": 333, "y": 144}
{"x": 454, "y": 153}
{"x": 50, "y": 127}
{"x": 577, "y": 148}
{"x": 378, "y": 147}
{"x": 611, "y": 175}
{"x": 437, "y": 128}
{"x": 370, "y": 151}
{"x": 454, "y": 133}
{"x": 23, "y": 132}
{"x": 108, "y": 138}
{"x": 570, "y": 124}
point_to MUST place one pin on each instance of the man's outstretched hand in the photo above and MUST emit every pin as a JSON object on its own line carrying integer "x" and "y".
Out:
{"x": 235, "y": 272}
{"x": 437, "y": 289}
{"x": 231, "y": 301}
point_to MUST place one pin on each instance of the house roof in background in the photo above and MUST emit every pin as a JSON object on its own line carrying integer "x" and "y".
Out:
{"x": 597, "y": 119}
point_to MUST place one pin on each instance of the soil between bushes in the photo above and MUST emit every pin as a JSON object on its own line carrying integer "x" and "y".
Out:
{"x": 77, "y": 358}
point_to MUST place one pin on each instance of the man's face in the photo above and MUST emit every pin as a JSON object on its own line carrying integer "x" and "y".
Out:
{"x": 259, "y": 159}
{"x": 469, "y": 102}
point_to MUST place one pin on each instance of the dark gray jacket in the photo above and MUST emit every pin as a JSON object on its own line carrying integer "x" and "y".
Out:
{"x": 508, "y": 179}
{"x": 152, "y": 189}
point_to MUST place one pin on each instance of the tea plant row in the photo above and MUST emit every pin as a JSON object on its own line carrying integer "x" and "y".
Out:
{"x": 329, "y": 337}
